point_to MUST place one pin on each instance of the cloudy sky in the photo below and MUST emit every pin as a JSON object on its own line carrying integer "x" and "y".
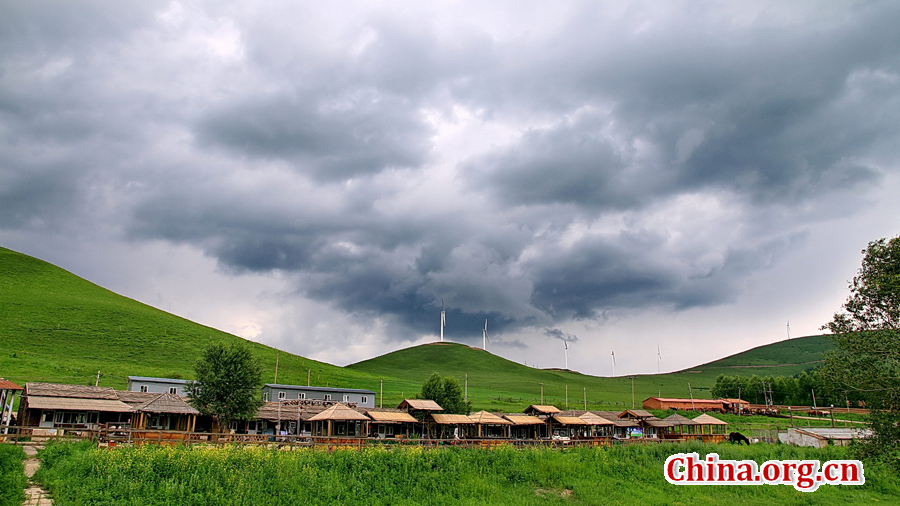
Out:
{"x": 320, "y": 176}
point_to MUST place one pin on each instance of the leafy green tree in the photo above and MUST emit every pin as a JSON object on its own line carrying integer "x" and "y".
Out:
{"x": 228, "y": 384}
{"x": 865, "y": 360}
{"x": 447, "y": 392}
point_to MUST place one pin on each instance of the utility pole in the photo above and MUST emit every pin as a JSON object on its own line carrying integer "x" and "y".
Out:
{"x": 97, "y": 383}
{"x": 585, "y": 398}
{"x": 632, "y": 392}
{"x": 466, "y": 395}
{"x": 382, "y": 394}
{"x": 277, "y": 354}
{"x": 542, "y": 394}
{"x": 567, "y": 396}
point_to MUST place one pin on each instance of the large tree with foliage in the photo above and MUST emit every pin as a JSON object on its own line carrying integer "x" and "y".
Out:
{"x": 228, "y": 384}
{"x": 447, "y": 392}
{"x": 866, "y": 356}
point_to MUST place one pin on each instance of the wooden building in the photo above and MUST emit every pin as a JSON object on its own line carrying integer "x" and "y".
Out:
{"x": 565, "y": 427}
{"x": 711, "y": 429}
{"x": 526, "y": 426}
{"x": 54, "y": 405}
{"x": 489, "y": 425}
{"x": 8, "y": 391}
{"x": 448, "y": 426}
{"x": 340, "y": 420}
{"x": 391, "y": 423}
{"x": 682, "y": 427}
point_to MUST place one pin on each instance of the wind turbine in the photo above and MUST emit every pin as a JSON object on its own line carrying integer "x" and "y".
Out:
{"x": 484, "y": 337}
{"x": 789, "y": 329}
{"x": 614, "y": 364}
{"x": 658, "y": 358}
{"x": 443, "y": 320}
{"x": 567, "y": 354}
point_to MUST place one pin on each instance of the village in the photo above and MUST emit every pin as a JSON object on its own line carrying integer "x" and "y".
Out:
{"x": 157, "y": 410}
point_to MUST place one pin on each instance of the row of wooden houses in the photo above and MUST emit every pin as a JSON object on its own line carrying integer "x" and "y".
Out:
{"x": 50, "y": 406}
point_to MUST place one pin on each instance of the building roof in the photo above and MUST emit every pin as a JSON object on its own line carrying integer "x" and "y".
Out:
{"x": 542, "y": 408}
{"x": 636, "y": 413}
{"x": 136, "y": 398}
{"x": 569, "y": 420}
{"x": 656, "y": 422}
{"x": 523, "y": 419}
{"x": 9, "y": 385}
{"x": 167, "y": 403}
{"x": 835, "y": 433}
{"x": 595, "y": 419}
{"x": 705, "y": 419}
{"x": 70, "y": 391}
{"x": 384, "y": 416}
{"x": 676, "y": 419}
{"x": 76, "y": 404}
{"x": 420, "y": 404}
{"x": 306, "y": 388}
{"x": 271, "y": 411}
{"x": 339, "y": 412}
{"x": 613, "y": 417}
{"x": 485, "y": 418}
{"x": 735, "y": 401}
{"x": 158, "y": 380}
{"x": 443, "y": 418}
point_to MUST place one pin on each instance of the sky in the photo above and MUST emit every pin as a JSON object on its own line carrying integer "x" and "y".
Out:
{"x": 667, "y": 182}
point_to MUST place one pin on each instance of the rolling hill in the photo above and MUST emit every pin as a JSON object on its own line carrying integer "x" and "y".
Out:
{"x": 57, "y": 327}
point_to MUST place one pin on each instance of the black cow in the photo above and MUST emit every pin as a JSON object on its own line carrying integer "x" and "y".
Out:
{"x": 737, "y": 437}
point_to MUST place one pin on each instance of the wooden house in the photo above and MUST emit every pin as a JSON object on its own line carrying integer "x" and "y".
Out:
{"x": 623, "y": 428}
{"x": 448, "y": 426}
{"x": 541, "y": 411}
{"x": 340, "y": 420}
{"x": 720, "y": 405}
{"x": 8, "y": 391}
{"x": 54, "y": 405}
{"x": 526, "y": 426}
{"x": 711, "y": 429}
{"x": 390, "y": 423}
{"x": 682, "y": 427}
{"x": 596, "y": 426}
{"x": 420, "y": 409}
{"x": 565, "y": 427}
{"x": 282, "y": 418}
{"x": 489, "y": 425}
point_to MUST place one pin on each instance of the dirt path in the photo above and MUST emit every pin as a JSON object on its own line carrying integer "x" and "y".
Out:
{"x": 34, "y": 495}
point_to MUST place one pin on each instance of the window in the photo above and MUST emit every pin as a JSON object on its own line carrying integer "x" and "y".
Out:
{"x": 144, "y": 388}
{"x": 364, "y": 400}
{"x": 173, "y": 390}
{"x": 281, "y": 395}
{"x": 327, "y": 397}
{"x": 265, "y": 397}
{"x": 346, "y": 398}
{"x": 301, "y": 395}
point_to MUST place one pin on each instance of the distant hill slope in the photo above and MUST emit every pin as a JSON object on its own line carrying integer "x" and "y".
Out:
{"x": 57, "y": 327}
{"x": 497, "y": 383}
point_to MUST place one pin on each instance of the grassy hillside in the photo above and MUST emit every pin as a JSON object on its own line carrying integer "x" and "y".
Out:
{"x": 497, "y": 383}
{"x": 57, "y": 327}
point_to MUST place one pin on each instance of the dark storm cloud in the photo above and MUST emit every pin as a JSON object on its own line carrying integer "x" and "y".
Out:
{"x": 617, "y": 157}
{"x": 330, "y": 138}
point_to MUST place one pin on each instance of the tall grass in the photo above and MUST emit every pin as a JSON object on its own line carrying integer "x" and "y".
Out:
{"x": 12, "y": 475}
{"x": 250, "y": 476}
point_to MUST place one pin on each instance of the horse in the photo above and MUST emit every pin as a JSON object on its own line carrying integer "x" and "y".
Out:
{"x": 737, "y": 437}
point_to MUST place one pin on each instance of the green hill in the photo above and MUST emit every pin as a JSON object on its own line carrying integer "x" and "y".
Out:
{"x": 57, "y": 327}
{"x": 497, "y": 383}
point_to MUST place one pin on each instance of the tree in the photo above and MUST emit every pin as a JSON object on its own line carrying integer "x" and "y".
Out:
{"x": 228, "y": 384}
{"x": 874, "y": 302}
{"x": 865, "y": 361}
{"x": 447, "y": 392}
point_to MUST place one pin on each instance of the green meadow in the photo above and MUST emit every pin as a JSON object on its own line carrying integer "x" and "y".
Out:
{"x": 12, "y": 475}
{"x": 78, "y": 474}
{"x": 57, "y": 327}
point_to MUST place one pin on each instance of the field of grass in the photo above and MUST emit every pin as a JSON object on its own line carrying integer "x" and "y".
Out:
{"x": 57, "y": 327}
{"x": 12, "y": 475}
{"x": 80, "y": 474}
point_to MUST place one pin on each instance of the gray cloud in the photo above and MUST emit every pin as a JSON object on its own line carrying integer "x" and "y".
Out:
{"x": 528, "y": 167}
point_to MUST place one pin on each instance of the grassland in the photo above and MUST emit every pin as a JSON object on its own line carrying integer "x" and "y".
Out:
{"x": 12, "y": 475}
{"x": 57, "y": 327}
{"x": 628, "y": 475}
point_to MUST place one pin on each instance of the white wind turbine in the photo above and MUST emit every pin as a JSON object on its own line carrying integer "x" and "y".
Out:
{"x": 443, "y": 320}
{"x": 484, "y": 336}
{"x": 567, "y": 354}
